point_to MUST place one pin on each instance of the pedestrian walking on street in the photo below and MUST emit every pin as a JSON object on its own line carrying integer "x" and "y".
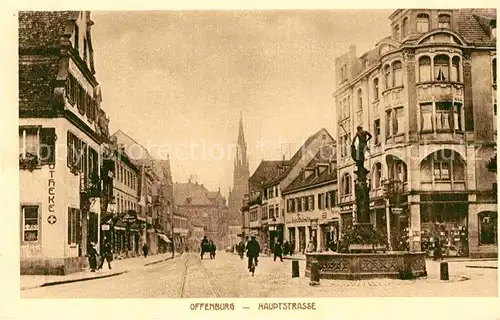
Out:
{"x": 106, "y": 254}
{"x": 204, "y": 246}
{"x": 213, "y": 249}
{"x": 253, "y": 250}
{"x": 92, "y": 254}
{"x": 241, "y": 249}
{"x": 145, "y": 250}
{"x": 278, "y": 251}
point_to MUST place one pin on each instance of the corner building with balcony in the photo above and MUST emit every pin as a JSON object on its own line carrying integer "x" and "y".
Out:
{"x": 61, "y": 130}
{"x": 427, "y": 93}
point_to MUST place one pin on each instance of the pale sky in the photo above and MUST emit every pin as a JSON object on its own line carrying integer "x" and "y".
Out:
{"x": 177, "y": 79}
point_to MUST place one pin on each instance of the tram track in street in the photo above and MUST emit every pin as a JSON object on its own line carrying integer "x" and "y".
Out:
{"x": 189, "y": 278}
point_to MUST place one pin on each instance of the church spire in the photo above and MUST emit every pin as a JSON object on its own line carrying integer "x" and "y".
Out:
{"x": 241, "y": 135}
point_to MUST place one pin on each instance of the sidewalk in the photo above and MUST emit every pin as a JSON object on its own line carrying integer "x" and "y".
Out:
{"x": 118, "y": 267}
{"x": 449, "y": 260}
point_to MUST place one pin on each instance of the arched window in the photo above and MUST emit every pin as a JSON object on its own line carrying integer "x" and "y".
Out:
{"x": 404, "y": 28}
{"x": 494, "y": 70}
{"x": 375, "y": 89}
{"x": 422, "y": 22}
{"x": 397, "y": 70}
{"x": 444, "y": 21}
{"x": 441, "y": 68}
{"x": 377, "y": 176}
{"x": 396, "y": 32}
{"x": 424, "y": 67}
{"x": 455, "y": 69}
{"x": 360, "y": 99}
{"x": 387, "y": 75}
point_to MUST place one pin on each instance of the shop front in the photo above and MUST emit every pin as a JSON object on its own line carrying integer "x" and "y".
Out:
{"x": 346, "y": 218}
{"x": 275, "y": 235}
{"x": 444, "y": 220}
{"x": 329, "y": 230}
{"x": 264, "y": 238}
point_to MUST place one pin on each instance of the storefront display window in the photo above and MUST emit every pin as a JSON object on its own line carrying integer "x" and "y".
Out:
{"x": 487, "y": 227}
{"x": 448, "y": 222}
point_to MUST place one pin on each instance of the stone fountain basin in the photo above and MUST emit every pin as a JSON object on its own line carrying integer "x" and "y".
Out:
{"x": 356, "y": 266}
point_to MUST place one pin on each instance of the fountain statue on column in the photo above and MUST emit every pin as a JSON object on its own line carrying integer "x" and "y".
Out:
{"x": 362, "y": 236}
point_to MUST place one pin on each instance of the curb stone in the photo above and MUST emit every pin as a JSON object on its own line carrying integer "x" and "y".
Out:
{"x": 54, "y": 283}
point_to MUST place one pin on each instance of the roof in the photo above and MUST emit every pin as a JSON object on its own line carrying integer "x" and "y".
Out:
{"x": 197, "y": 193}
{"x": 43, "y": 29}
{"x": 297, "y": 156}
{"x": 471, "y": 28}
{"x": 266, "y": 171}
{"x": 313, "y": 179}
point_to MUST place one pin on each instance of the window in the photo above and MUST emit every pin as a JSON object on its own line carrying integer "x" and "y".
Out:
{"x": 457, "y": 117}
{"x": 404, "y": 28}
{"x": 443, "y": 116}
{"x": 455, "y": 69}
{"x": 422, "y": 22}
{"x": 73, "y": 225}
{"x": 299, "y": 204}
{"x": 397, "y": 170}
{"x": 426, "y": 123}
{"x": 37, "y": 142}
{"x": 389, "y": 123}
{"x": 375, "y": 89}
{"x": 398, "y": 121}
{"x": 494, "y": 70}
{"x": 424, "y": 67}
{"x": 30, "y": 223}
{"x": 444, "y": 21}
{"x": 488, "y": 227}
{"x": 332, "y": 197}
{"x": 376, "y": 131}
{"x": 377, "y": 176}
{"x": 93, "y": 162}
{"x": 311, "y": 202}
{"x": 305, "y": 203}
{"x": 346, "y": 185}
{"x": 271, "y": 212}
{"x": 74, "y": 152}
{"x": 397, "y": 70}
{"x": 387, "y": 75}
{"x": 321, "y": 201}
{"x": 396, "y": 32}
{"x": 360, "y": 99}
{"x": 441, "y": 68}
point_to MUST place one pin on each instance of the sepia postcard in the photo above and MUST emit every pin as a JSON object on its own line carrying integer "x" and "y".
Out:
{"x": 290, "y": 156}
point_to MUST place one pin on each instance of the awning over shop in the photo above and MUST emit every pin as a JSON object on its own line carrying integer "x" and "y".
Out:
{"x": 164, "y": 238}
{"x": 106, "y": 218}
{"x": 120, "y": 225}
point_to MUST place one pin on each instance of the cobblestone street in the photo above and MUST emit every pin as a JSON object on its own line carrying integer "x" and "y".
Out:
{"x": 227, "y": 276}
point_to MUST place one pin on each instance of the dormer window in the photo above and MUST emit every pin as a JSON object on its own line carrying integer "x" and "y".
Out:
{"x": 396, "y": 32}
{"x": 422, "y": 22}
{"x": 444, "y": 21}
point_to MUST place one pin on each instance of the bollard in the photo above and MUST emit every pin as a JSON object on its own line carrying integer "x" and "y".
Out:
{"x": 444, "y": 275}
{"x": 295, "y": 269}
{"x": 315, "y": 272}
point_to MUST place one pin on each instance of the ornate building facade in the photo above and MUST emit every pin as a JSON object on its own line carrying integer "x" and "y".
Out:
{"x": 427, "y": 93}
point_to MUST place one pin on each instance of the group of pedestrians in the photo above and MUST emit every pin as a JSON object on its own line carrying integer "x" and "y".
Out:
{"x": 208, "y": 246}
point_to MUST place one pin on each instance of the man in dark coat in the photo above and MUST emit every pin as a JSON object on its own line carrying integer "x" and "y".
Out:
{"x": 106, "y": 254}
{"x": 240, "y": 248}
{"x": 253, "y": 250}
{"x": 278, "y": 251}
{"x": 92, "y": 254}
{"x": 204, "y": 246}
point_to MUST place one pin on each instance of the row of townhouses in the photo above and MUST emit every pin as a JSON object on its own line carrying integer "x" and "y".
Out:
{"x": 78, "y": 183}
{"x": 427, "y": 93}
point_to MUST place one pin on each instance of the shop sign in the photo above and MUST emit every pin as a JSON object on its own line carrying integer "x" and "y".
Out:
{"x": 397, "y": 210}
{"x": 52, "y": 188}
{"x": 346, "y": 208}
{"x": 314, "y": 224}
{"x": 300, "y": 219}
{"x": 105, "y": 227}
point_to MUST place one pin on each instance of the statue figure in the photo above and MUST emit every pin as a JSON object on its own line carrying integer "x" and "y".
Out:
{"x": 358, "y": 155}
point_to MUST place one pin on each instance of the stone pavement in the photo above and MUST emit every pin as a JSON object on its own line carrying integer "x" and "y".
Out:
{"x": 118, "y": 267}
